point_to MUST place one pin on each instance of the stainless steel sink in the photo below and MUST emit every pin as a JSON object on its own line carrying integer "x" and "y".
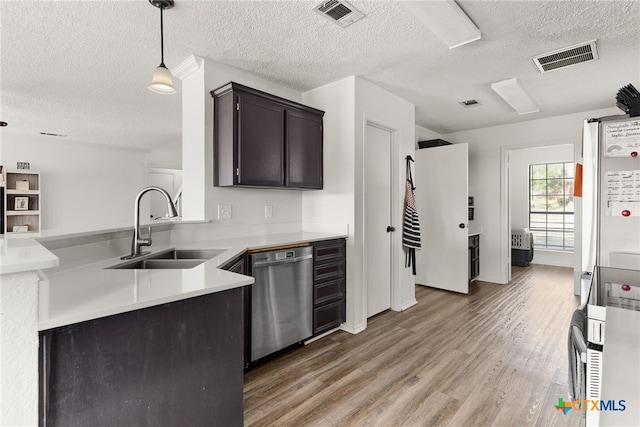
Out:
{"x": 156, "y": 264}
{"x": 187, "y": 254}
{"x": 170, "y": 259}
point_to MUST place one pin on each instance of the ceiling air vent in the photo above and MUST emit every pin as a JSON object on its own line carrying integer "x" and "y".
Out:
{"x": 470, "y": 103}
{"x": 566, "y": 57}
{"x": 53, "y": 134}
{"x": 340, "y": 12}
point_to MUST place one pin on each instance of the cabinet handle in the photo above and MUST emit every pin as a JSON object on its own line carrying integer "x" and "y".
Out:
{"x": 461, "y": 225}
{"x": 390, "y": 229}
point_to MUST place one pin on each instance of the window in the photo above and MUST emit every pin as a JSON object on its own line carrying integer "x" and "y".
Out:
{"x": 551, "y": 205}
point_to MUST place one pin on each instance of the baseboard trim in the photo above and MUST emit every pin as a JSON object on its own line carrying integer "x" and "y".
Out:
{"x": 409, "y": 304}
{"x": 329, "y": 332}
{"x": 353, "y": 331}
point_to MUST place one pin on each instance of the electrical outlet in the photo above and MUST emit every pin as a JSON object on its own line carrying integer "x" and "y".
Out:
{"x": 224, "y": 211}
{"x": 268, "y": 211}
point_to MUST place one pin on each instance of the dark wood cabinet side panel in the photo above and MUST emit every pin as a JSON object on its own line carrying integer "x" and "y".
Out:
{"x": 176, "y": 364}
{"x": 303, "y": 150}
{"x": 260, "y": 136}
{"x": 226, "y": 159}
{"x": 238, "y": 265}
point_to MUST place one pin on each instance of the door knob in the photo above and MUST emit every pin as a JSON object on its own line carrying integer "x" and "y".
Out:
{"x": 461, "y": 225}
{"x": 390, "y": 229}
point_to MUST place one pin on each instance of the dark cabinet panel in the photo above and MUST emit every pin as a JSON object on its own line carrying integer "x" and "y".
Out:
{"x": 239, "y": 265}
{"x": 474, "y": 256}
{"x": 333, "y": 249}
{"x": 329, "y": 285}
{"x": 334, "y": 268}
{"x": 260, "y": 136}
{"x": 261, "y": 140}
{"x": 304, "y": 149}
{"x": 328, "y": 316}
{"x": 328, "y": 291}
{"x": 175, "y": 364}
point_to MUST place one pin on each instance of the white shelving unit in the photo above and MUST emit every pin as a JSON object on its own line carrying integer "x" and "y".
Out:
{"x": 22, "y": 202}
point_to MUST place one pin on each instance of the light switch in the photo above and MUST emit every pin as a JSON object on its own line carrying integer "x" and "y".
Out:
{"x": 224, "y": 211}
{"x": 268, "y": 211}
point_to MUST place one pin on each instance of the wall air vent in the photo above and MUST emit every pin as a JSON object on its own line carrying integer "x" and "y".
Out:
{"x": 566, "y": 57}
{"x": 340, "y": 12}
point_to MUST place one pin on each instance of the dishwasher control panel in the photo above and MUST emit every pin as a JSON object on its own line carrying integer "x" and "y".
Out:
{"x": 285, "y": 255}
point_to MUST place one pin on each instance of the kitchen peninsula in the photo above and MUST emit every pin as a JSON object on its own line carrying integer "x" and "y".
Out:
{"x": 188, "y": 320}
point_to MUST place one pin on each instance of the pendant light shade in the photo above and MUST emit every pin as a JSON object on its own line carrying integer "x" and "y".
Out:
{"x": 162, "y": 81}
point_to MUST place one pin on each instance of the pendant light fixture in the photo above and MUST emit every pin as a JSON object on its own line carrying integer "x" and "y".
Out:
{"x": 162, "y": 81}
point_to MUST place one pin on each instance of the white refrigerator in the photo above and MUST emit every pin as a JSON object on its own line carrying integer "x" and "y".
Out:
{"x": 609, "y": 211}
{"x": 608, "y": 220}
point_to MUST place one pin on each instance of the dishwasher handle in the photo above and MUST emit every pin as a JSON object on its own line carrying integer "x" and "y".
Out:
{"x": 258, "y": 264}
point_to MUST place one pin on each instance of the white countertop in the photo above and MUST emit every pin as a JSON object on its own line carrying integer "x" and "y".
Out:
{"x": 18, "y": 255}
{"x": 621, "y": 367}
{"x": 91, "y": 291}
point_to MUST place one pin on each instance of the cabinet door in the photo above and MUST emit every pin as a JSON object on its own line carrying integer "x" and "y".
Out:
{"x": 303, "y": 149}
{"x": 260, "y": 142}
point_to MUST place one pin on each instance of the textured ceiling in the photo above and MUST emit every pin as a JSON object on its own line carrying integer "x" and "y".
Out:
{"x": 81, "y": 68}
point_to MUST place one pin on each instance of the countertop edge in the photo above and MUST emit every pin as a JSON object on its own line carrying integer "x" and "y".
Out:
{"x": 241, "y": 281}
{"x": 23, "y": 255}
{"x": 227, "y": 279}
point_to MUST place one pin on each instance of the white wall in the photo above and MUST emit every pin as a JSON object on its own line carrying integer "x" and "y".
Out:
{"x": 519, "y": 161}
{"x": 486, "y": 180}
{"x": 167, "y": 156}
{"x": 201, "y": 198}
{"x": 83, "y": 186}
{"x": 376, "y": 105}
{"x": 349, "y": 104}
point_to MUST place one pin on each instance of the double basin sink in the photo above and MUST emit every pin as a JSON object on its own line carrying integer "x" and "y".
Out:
{"x": 170, "y": 259}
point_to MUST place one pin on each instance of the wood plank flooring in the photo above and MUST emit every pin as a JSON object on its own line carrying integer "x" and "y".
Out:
{"x": 495, "y": 357}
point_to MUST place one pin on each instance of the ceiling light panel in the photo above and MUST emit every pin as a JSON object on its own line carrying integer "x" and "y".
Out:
{"x": 511, "y": 91}
{"x": 446, "y": 20}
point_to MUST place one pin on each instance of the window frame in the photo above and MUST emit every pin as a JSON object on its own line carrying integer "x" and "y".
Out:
{"x": 565, "y": 228}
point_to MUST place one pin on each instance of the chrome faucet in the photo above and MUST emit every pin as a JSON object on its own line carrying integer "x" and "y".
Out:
{"x": 138, "y": 242}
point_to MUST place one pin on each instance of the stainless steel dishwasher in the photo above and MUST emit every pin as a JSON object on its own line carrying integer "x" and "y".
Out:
{"x": 282, "y": 300}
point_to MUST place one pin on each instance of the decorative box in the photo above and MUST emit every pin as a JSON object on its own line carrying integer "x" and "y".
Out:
{"x": 22, "y": 185}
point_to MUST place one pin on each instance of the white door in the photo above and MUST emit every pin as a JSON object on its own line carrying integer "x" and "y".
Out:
{"x": 442, "y": 201}
{"x": 377, "y": 218}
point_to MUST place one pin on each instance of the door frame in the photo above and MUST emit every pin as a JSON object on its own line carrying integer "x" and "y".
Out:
{"x": 505, "y": 202}
{"x": 396, "y": 288}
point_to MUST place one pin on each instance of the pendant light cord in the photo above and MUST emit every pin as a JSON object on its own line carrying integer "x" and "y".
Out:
{"x": 161, "y": 40}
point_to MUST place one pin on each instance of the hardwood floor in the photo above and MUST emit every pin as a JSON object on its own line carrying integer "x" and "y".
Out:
{"x": 497, "y": 356}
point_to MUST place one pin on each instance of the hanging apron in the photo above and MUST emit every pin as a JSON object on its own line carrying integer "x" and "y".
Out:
{"x": 411, "y": 226}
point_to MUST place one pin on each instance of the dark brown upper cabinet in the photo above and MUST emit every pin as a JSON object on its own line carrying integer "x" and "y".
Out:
{"x": 261, "y": 140}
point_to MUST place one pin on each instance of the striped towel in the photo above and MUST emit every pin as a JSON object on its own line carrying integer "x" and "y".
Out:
{"x": 411, "y": 225}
